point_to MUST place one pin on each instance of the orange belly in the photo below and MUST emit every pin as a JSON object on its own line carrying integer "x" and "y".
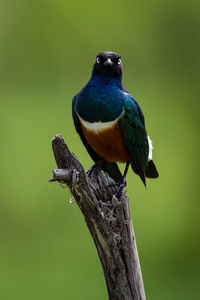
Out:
{"x": 107, "y": 143}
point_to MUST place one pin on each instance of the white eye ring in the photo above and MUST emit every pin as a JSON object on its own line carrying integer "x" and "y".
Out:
{"x": 119, "y": 61}
{"x": 98, "y": 60}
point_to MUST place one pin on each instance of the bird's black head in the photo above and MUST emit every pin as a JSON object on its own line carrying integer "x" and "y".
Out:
{"x": 108, "y": 64}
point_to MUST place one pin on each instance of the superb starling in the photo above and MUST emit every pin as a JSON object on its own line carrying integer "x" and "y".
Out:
{"x": 110, "y": 122}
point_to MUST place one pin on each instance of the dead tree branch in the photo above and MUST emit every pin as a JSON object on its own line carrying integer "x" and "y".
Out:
{"x": 108, "y": 220}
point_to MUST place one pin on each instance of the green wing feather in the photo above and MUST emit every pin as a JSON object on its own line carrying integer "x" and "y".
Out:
{"x": 135, "y": 136}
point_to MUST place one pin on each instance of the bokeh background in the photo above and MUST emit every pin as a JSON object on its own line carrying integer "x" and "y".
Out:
{"x": 47, "y": 49}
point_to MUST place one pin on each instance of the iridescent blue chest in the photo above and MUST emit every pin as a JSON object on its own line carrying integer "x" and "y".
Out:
{"x": 100, "y": 102}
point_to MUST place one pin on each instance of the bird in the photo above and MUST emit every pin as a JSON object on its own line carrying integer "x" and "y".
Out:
{"x": 111, "y": 123}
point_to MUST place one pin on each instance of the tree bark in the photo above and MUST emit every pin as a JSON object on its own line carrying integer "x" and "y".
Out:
{"x": 108, "y": 220}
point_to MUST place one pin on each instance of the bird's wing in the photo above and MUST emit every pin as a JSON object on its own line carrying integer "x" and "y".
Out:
{"x": 111, "y": 168}
{"x": 141, "y": 116}
{"x": 135, "y": 136}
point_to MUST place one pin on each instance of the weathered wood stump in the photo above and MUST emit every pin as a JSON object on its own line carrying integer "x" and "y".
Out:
{"x": 108, "y": 220}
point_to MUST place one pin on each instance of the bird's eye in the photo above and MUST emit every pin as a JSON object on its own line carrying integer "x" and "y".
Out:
{"x": 98, "y": 60}
{"x": 119, "y": 61}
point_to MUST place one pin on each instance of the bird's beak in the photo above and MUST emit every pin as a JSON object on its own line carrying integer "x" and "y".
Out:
{"x": 108, "y": 62}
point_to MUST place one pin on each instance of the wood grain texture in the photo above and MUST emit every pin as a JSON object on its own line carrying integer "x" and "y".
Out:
{"x": 108, "y": 220}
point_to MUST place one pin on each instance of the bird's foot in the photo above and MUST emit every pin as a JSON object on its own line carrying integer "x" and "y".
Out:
{"x": 120, "y": 187}
{"x": 95, "y": 167}
{"x": 117, "y": 184}
{"x": 113, "y": 184}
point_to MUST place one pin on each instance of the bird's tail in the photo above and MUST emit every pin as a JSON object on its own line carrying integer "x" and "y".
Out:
{"x": 151, "y": 171}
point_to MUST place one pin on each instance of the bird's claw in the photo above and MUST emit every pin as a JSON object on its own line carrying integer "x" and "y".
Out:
{"x": 91, "y": 170}
{"x": 119, "y": 191}
{"x": 113, "y": 184}
{"x": 121, "y": 185}
{"x": 95, "y": 167}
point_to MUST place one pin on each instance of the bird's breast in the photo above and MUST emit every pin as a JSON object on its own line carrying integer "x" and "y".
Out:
{"x": 106, "y": 139}
{"x": 96, "y": 103}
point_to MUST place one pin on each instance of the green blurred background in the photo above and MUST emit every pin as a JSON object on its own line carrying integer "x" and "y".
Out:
{"x": 47, "y": 49}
